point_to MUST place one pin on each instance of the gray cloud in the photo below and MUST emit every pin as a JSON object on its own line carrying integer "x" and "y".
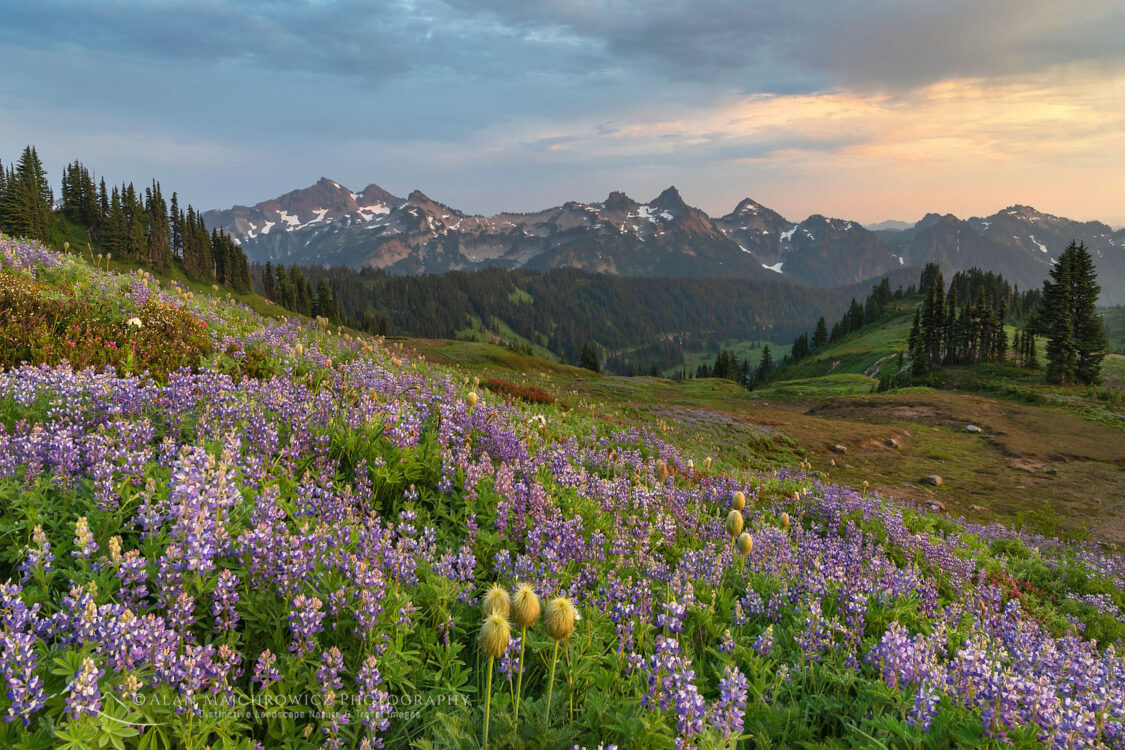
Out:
{"x": 486, "y": 101}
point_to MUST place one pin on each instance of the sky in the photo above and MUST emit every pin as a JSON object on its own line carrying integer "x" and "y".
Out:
{"x": 872, "y": 110}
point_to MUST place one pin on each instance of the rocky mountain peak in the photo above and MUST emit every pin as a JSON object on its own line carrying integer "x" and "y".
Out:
{"x": 669, "y": 200}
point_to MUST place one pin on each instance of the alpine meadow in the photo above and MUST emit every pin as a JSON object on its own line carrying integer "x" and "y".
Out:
{"x": 524, "y": 468}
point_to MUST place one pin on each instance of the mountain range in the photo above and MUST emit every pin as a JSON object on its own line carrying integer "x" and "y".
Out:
{"x": 328, "y": 224}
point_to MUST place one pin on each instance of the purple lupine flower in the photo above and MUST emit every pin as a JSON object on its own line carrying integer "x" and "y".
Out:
{"x": 730, "y": 709}
{"x": 265, "y": 674}
{"x": 18, "y": 663}
{"x": 225, "y": 600}
{"x": 132, "y": 574}
{"x": 83, "y": 696}
{"x": 374, "y": 702}
{"x": 510, "y": 662}
{"x": 84, "y": 544}
{"x": 672, "y": 617}
{"x": 39, "y": 556}
{"x": 328, "y": 673}
{"x": 763, "y": 644}
{"x": 925, "y": 706}
{"x": 305, "y": 622}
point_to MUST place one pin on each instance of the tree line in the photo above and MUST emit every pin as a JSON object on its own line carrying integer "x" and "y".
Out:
{"x": 123, "y": 221}
{"x": 633, "y": 324}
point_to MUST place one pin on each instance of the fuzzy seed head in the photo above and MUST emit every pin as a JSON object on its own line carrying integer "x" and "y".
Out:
{"x": 525, "y": 606}
{"x": 785, "y": 521}
{"x": 494, "y": 635}
{"x": 734, "y": 523}
{"x": 472, "y": 399}
{"x": 496, "y": 602}
{"x": 745, "y": 543}
{"x": 559, "y": 617}
{"x": 661, "y": 471}
{"x": 739, "y": 501}
{"x": 707, "y": 463}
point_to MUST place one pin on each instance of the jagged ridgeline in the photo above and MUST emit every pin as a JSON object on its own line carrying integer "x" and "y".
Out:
{"x": 123, "y": 222}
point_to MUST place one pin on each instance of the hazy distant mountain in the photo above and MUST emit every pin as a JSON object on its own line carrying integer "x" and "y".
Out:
{"x": 328, "y": 224}
{"x": 1018, "y": 242}
{"x": 889, "y": 224}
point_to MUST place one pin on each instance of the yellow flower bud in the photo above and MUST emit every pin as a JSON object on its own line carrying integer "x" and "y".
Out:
{"x": 525, "y": 606}
{"x": 496, "y": 601}
{"x": 559, "y": 618}
{"x": 745, "y": 543}
{"x": 734, "y": 523}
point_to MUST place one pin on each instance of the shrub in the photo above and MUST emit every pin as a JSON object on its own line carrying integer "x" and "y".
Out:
{"x": 40, "y": 329}
{"x": 528, "y": 393}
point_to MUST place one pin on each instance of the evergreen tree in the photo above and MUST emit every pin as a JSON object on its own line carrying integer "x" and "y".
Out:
{"x": 820, "y": 337}
{"x": 176, "y": 228}
{"x": 159, "y": 244}
{"x": 269, "y": 284}
{"x": 589, "y": 358}
{"x": 765, "y": 365}
{"x": 116, "y": 232}
{"x": 1090, "y": 335}
{"x": 3, "y": 185}
{"x": 800, "y": 348}
{"x": 27, "y": 198}
{"x": 1058, "y": 321}
{"x": 919, "y": 364}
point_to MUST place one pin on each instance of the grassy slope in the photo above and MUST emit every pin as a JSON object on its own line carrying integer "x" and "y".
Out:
{"x": 1039, "y": 443}
{"x": 1114, "y": 318}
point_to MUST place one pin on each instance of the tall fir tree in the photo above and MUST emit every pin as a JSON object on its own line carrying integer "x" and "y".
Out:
{"x": 1090, "y": 338}
{"x": 1058, "y": 321}
{"x": 27, "y": 198}
{"x": 820, "y": 336}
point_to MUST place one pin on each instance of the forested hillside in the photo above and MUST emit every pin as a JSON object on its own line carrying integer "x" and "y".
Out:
{"x": 638, "y": 322}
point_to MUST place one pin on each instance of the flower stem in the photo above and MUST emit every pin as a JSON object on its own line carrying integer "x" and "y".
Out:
{"x": 519, "y": 680}
{"x": 551, "y": 684}
{"x": 488, "y": 701}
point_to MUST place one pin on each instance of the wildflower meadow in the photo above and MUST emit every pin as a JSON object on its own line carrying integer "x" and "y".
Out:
{"x": 223, "y": 530}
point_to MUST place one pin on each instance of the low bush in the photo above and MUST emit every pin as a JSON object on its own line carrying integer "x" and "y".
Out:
{"x": 41, "y": 329}
{"x": 528, "y": 393}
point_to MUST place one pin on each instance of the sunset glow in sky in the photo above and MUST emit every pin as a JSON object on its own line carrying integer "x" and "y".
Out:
{"x": 863, "y": 110}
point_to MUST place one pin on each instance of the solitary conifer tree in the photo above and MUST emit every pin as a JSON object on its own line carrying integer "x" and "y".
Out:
{"x": 1077, "y": 337}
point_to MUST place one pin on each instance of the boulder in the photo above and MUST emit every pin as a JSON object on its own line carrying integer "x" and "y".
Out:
{"x": 933, "y": 479}
{"x": 979, "y": 508}
{"x": 839, "y": 448}
{"x": 890, "y": 443}
{"x": 934, "y": 506}
{"x": 972, "y": 428}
